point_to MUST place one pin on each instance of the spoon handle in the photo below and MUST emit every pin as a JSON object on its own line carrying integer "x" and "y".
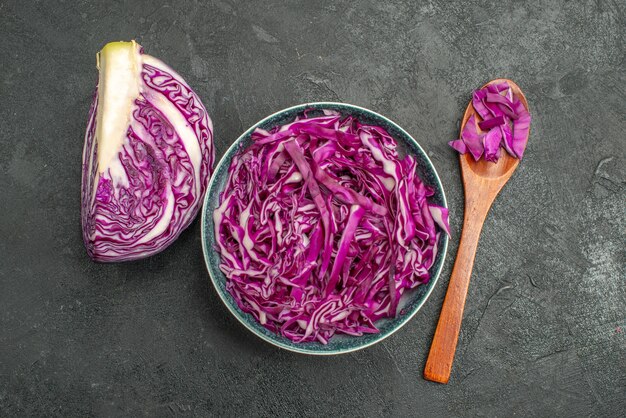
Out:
{"x": 441, "y": 356}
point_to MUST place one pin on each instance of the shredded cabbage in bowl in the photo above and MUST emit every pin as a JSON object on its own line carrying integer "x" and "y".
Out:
{"x": 322, "y": 227}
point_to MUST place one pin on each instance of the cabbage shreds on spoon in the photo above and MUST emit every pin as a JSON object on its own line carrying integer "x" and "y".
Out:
{"x": 147, "y": 158}
{"x": 505, "y": 125}
{"x": 322, "y": 227}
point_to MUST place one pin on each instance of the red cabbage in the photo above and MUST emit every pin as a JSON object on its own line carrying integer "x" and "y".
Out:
{"x": 520, "y": 129}
{"x": 505, "y": 123}
{"x": 485, "y": 125}
{"x": 458, "y": 145}
{"x": 473, "y": 139}
{"x": 147, "y": 158}
{"x": 322, "y": 227}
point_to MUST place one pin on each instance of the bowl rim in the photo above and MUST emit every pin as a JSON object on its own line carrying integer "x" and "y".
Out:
{"x": 237, "y": 314}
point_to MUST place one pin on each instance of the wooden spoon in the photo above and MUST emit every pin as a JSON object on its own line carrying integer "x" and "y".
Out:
{"x": 482, "y": 181}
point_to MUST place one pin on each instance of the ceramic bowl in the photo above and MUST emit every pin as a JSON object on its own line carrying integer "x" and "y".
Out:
{"x": 411, "y": 301}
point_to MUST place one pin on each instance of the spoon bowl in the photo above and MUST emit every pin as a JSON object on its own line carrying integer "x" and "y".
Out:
{"x": 506, "y": 163}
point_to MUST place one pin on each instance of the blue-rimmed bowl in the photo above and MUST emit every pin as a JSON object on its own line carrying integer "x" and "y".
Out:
{"x": 411, "y": 301}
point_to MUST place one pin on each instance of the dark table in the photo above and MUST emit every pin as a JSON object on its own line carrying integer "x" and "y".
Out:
{"x": 544, "y": 332}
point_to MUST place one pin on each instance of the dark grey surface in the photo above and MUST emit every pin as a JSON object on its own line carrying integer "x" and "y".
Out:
{"x": 544, "y": 332}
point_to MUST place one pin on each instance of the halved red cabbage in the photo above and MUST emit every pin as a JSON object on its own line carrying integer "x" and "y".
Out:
{"x": 505, "y": 122}
{"x": 147, "y": 158}
{"x": 322, "y": 227}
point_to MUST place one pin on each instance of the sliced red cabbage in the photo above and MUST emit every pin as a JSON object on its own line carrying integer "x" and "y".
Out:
{"x": 486, "y": 125}
{"x": 491, "y": 142}
{"x": 322, "y": 227}
{"x": 505, "y": 123}
{"x": 458, "y": 145}
{"x": 520, "y": 129}
{"x": 473, "y": 139}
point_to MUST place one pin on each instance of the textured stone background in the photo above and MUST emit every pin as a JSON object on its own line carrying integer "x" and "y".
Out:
{"x": 544, "y": 332}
